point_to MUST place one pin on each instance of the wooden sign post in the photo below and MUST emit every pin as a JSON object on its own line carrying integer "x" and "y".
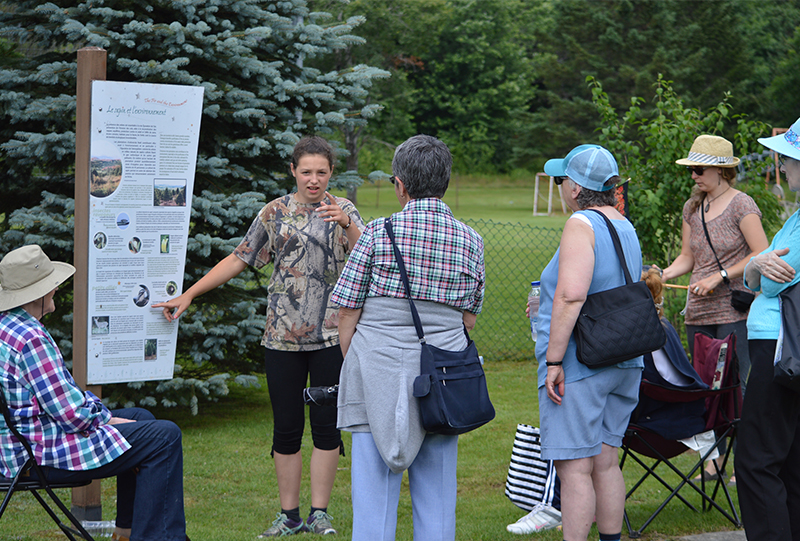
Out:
{"x": 86, "y": 503}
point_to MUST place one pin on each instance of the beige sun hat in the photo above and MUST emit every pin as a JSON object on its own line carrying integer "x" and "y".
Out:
{"x": 27, "y": 274}
{"x": 710, "y": 151}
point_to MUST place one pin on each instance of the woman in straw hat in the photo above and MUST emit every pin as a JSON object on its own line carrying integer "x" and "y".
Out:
{"x": 768, "y": 454}
{"x": 733, "y": 222}
{"x": 73, "y": 435}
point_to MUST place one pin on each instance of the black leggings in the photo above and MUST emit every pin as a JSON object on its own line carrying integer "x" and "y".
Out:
{"x": 768, "y": 461}
{"x": 287, "y": 376}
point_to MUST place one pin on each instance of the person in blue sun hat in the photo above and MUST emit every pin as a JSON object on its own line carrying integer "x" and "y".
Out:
{"x": 767, "y": 459}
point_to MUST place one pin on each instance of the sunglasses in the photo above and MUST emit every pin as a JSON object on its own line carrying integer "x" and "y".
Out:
{"x": 696, "y": 169}
{"x": 392, "y": 179}
{"x": 559, "y": 180}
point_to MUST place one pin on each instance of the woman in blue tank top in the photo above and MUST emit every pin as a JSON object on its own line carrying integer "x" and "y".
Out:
{"x": 583, "y": 411}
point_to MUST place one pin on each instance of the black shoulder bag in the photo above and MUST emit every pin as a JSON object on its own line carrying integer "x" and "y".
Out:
{"x": 618, "y": 324}
{"x": 787, "y": 366}
{"x": 740, "y": 300}
{"x": 451, "y": 388}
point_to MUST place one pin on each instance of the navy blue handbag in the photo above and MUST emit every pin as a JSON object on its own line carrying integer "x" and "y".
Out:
{"x": 451, "y": 388}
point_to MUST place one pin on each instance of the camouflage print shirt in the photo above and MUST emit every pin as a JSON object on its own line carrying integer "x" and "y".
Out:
{"x": 309, "y": 254}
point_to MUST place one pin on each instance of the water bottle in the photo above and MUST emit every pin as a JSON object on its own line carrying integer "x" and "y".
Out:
{"x": 533, "y": 306}
{"x": 99, "y": 528}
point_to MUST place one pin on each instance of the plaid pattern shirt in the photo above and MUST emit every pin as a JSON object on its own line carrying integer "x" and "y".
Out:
{"x": 66, "y": 427}
{"x": 443, "y": 257}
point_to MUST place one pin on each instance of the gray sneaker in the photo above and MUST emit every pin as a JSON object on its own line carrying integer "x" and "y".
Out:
{"x": 283, "y": 525}
{"x": 320, "y": 523}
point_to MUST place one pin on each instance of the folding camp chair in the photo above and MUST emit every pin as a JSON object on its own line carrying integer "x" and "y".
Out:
{"x": 31, "y": 479}
{"x": 647, "y": 438}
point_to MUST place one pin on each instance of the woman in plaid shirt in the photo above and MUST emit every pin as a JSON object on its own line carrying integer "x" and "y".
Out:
{"x": 444, "y": 259}
{"x": 73, "y": 435}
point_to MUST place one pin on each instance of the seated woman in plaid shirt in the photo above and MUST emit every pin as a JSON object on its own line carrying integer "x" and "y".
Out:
{"x": 444, "y": 259}
{"x": 73, "y": 435}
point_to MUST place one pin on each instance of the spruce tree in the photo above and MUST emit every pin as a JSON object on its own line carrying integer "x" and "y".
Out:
{"x": 253, "y": 60}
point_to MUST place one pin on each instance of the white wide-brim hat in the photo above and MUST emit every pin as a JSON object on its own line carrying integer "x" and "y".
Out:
{"x": 710, "y": 151}
{"x": 787, "y": 143}
{"x": 27, "y": 274}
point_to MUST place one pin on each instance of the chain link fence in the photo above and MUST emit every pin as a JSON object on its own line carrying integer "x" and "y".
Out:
{"x": 515, "y": 255}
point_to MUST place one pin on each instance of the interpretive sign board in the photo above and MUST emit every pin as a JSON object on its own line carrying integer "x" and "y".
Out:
{"x": 143, "y": 156}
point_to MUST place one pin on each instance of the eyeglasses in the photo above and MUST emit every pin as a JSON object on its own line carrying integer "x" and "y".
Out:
{"x": 696, "y": 169}
{"x": 392, "y": 179}
{"x": 559, "y": 180}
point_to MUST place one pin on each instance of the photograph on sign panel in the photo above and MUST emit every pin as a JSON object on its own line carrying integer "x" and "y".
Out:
{"x": 106, "y": 169}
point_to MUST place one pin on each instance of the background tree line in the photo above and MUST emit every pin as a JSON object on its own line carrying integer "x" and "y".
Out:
{"x": 503, "y": 82}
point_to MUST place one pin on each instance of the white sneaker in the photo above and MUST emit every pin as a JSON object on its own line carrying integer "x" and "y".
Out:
{"x": 542, "y": 517}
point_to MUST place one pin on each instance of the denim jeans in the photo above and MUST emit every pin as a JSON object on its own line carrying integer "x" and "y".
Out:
{"x": 149, "y": 478}
{"x": 432, "y": 484}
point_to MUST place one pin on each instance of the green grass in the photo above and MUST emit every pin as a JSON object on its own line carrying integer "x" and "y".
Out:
{"x": 230, "y": 488}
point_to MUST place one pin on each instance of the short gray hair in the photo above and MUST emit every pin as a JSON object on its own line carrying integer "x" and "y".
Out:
{"x": 590, "y": 198}
{"x": 423, "y": 163}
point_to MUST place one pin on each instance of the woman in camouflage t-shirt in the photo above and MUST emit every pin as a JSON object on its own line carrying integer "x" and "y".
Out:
{"x": 307, "y": 235}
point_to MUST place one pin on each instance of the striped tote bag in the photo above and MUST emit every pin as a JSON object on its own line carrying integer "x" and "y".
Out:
{"x": 530, "y": 480}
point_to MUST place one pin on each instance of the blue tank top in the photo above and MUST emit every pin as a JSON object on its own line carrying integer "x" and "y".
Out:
{"x": 607, "y": 274}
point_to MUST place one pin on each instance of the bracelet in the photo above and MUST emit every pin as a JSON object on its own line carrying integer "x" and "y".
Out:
{"x": 559, "y": 363}
{"x": 349, "y": 221}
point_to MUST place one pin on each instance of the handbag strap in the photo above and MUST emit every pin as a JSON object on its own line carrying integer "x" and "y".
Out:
{"x": 708, "y": 238}
{"x": 387, "y": 223}
{"x": 617, "y": 246}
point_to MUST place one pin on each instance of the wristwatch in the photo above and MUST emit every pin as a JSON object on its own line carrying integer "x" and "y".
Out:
{"x": 724, "y": 274}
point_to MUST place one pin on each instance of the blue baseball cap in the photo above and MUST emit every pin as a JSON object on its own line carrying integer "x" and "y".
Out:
{"x": 787, "y": 143}
{"x": 589, "y": 166}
